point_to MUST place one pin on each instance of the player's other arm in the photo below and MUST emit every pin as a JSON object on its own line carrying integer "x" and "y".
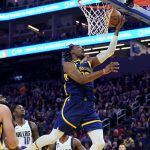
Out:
{"x": 101, "y": 57}
{"x": 9, "y": 130}
{"x": 77, "y": 145}
{"x": 74, "y": 74}
{"x": 35, "y": 131}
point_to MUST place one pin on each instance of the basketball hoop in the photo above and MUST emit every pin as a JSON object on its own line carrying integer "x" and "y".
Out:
{"x": 97, "y": 14}
{"x": 142, "y": 2}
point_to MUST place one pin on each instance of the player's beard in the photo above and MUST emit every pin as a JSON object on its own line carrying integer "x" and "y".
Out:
{"x": 81, "y": 56}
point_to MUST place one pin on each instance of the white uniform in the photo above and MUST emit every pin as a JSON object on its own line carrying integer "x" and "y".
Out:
{"x": 65, "y": 146}
{"x": 24, "y": 135}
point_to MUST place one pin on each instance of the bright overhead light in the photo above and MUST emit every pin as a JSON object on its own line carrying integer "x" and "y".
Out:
{"x": 117, "y": 49}
{"x": 102, "y": 51}
{"x": 95, "y": 52}
{"x": 33, "y": 28}
{"x": 88, "y": 49}
{"x": 83, "y": 24}
{"x": 148, "y": 43}
{"x": 120, "y": 44}
{"x": 100, "y": 47}
{"x": 126, "y": 47}
{"x": 147, "y": 40}
{"x": 77, "y": 21}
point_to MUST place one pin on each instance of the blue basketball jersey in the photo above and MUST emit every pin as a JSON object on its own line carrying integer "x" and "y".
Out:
{"x": 71, "y": 87}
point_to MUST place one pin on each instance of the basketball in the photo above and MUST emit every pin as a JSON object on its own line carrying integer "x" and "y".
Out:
{"x": 114, "y": 18}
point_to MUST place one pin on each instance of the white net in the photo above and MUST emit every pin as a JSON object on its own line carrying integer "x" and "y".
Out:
{"x": 97, "y": 14}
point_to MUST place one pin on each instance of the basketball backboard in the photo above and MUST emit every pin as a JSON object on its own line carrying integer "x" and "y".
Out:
{"x": 140, "y": 12}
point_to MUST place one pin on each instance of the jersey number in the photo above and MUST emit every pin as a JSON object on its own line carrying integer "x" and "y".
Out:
{"x": 84, "y": 73}
{"x": 26, "y": 140}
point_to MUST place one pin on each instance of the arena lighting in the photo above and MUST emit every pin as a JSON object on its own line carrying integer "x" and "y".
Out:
{"x": 148, "y": 43}
{"x": 102, "y": 51}
{"x": 117, "y": 49}
{"x": 120, "y": 45}
{"x": 83, "y": 24}
{"x": 100, "y": 47}
{"x": 77, "y": 22}
{"x": 126, "y": 48}
{"x": 41, "y": 9}
{"x": 95, "y": 52}
{"x": 147, "y": 40}
{"x": 107, "y": 46}
{"x": 33, "y": 29}
{"x": 87, "y": 49}
{"x": 83, "y": 41}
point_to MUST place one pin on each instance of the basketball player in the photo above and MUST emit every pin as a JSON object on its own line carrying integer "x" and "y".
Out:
{"x": 7, "y": 131}
{"x": 78, "y": 109}
{"x": 67, "y": 143}
{"x": 26, "y": 131}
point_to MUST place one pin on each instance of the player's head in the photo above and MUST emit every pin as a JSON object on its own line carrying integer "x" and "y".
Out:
{"x": 75, "y": 51}
{"x": 3, "y": 100}
{"x": 19, "y": 111}
{"x": 122, "y": 147}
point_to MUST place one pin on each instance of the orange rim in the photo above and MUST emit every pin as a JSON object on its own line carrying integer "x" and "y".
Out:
{"x": 142, "y": 2}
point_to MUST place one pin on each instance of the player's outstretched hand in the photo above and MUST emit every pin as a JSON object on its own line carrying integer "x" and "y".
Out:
{"x": 120, "y": 25}
{"x": 112, "y": 67}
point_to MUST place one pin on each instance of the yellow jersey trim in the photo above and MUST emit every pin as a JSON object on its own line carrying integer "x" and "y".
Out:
{"x": 90, "y": 122}
{"x": 62, "y": 113}
{"x": 77, "y": 60}
{"x": 1, "y": 130}
{"x": 65, "y": 90}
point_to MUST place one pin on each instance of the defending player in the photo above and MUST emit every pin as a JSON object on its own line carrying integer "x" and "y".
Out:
{"x": 78, "y": 108}
{"x": 26, "y": 131}
{"x": 7, "y": 131}
{"x": 67, "y": 143}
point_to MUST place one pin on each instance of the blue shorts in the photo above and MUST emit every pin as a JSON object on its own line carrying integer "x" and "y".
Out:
{"x": 78, "y": 112}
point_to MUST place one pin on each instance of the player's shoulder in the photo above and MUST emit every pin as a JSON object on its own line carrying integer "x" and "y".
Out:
{"x": 32, "y": 124}
{"x": 4, "y": 112}
{"x": 4, "y": 109}
{"x": 68, "y": 65}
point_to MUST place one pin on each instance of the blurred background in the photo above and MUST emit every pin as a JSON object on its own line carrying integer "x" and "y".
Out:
{"x": 36, "y": 80}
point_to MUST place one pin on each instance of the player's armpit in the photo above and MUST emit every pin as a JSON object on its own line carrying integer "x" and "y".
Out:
{"x": 94, "y": 61}
{"x": 77, "y": 144}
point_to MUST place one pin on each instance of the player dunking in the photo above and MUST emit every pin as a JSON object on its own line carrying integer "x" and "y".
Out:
{"x": 78, "y": 108}
{"x": 7, "y": 131}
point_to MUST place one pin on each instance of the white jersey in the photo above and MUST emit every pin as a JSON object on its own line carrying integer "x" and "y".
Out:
{"x": 68, "y": 145}
{"x": 24, "y": 135}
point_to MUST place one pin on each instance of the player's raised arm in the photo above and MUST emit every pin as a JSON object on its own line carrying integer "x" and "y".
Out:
{"x": 101, "y": 57}
{"x": 73, "y": 73}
